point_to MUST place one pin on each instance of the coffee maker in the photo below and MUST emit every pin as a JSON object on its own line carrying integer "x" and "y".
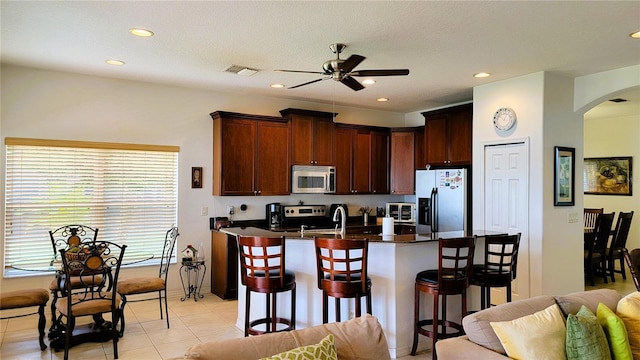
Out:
{"x": 274, "y": 215}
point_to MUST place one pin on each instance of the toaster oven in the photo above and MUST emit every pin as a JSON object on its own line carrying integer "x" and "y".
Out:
{"x": 402, "y": 212}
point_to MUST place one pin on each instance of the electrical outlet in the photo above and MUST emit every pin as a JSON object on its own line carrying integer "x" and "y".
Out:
{"x": 204, "y": 211}
{"x": 230, "y": 210}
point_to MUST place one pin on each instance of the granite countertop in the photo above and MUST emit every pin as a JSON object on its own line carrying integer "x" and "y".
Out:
{"x": 407, "y": 238}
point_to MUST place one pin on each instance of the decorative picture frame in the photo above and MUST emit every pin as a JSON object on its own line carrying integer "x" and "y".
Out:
{"x": 608, "y": 176}
{"x": 564, "y": 173}
{"x": 196, "y": 177}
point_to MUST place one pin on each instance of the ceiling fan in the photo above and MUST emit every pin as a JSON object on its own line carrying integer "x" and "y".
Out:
{"x": 342, "y": 70}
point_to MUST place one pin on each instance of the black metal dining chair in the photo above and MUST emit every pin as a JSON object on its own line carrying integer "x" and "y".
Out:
{"x": 596, "y": 246}
{"x": 619, "y": 242}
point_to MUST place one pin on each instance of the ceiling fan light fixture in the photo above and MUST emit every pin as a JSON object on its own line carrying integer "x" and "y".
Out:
{"x": 368, "y": 81}
{"x": 482, "y": 75}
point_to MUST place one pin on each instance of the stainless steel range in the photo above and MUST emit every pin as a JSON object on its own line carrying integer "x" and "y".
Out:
{"x": 311, "y": 215}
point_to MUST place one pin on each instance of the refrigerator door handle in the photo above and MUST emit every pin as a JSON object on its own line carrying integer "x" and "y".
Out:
{"x": 434, "y": 209}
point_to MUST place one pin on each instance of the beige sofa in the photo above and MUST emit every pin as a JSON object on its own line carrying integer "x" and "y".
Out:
{"x": 481, "y": 342}
{"x": 360, "y": 338}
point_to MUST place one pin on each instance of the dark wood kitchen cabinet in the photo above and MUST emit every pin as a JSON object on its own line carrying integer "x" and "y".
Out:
{"x": 402, "y": 161}
{"x": 250, "y": 155}
{"x": 312, "y": 136}
{"x": 224, "y": 265}
{"x": 447, "y": 136}
{"x": 362, "y": 159}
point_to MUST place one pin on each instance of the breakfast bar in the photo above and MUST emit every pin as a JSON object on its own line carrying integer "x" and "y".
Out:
{"x": 393, "y": 264}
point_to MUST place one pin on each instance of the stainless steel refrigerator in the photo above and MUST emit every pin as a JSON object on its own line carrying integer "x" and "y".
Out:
{"x": 441, "y": 200}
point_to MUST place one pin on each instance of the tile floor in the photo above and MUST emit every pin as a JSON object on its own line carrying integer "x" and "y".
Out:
{"x": 147, "y": 336}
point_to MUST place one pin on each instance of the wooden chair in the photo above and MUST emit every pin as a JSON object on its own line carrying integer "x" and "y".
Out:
{"x": 633, "y": 262}
{"x": 262, "y": 270}
{"x": 619, "y": 242}
{"x": 596, "y": 247}
{"x": 452, "y": 277}
{"x": 24, "y": 299}
{"x": 148, "y": 284}
{"x": 97, "y": 266}
{"x": 62, "y": 238}
{"x": 590, "y": 216}
{"x": 499, "y": 267}
{"x": 341, "y": 268}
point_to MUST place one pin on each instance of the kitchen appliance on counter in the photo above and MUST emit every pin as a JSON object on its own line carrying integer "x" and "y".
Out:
{"x": 441, "y": 199}
{"x": 313, "y": 179}
{"x": 274, "y": 215}
{"x": 402, "y": 212}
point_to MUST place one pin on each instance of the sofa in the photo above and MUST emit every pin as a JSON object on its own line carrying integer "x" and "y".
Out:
{"x": 481, "y": 341}
{"x": 360, "y": 338}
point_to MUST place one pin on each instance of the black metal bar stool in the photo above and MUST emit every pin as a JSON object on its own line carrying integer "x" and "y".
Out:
{"x": 262, "y": 261}
{"x": 455, "y": 264}
{"x": 499, "y": 267}
{"x": 342, "y": 273}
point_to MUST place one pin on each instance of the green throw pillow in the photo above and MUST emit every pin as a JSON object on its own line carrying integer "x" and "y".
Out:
{"x": 585, "y": 338}
{"x": 616, "y": 333}
{"x": 324, "y": 350}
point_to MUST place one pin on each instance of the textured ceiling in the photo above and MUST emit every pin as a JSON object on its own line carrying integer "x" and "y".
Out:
{"x": 443, "y": 43}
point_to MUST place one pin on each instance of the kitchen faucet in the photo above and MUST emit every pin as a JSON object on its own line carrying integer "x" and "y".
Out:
{"x": 343, "y": 223}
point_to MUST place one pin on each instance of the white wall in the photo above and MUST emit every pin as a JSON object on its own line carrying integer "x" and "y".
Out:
{"x": 56, "y": 105}
{"x": 616, "y": 137}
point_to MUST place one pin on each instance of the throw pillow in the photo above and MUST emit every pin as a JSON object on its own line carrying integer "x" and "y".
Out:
{"x": 616, "y": 333}
{"x": 324, "y": 350}
{"x": 540, "y": 335}
{"x": 629, "y": 311}
{"x": 585, "y": 338}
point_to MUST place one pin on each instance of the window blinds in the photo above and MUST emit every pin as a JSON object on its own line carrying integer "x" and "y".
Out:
{"x": 127, "y": 191}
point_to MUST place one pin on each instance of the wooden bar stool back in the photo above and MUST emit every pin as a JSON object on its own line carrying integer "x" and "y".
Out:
{"x": 499, "y": 267}
{"x": 342, "y": 273}
{"x": 452, "y": 277}
{"x": 590, "y": 216}
{"x": 262, "y": 270}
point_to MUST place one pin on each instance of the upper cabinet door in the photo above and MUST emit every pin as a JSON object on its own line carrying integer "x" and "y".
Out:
{"x": 238, "y": 150}
{"x": 402, "y": 162}
{"x": 273, "y": 170}
{"x": 361, "y": 170}
{"x": 380, "y": 162}
{"x": 302, "y": 140}
{"x": 312, "y": 137}
{"x": 447, "y": 136}
{"x": 324, "y": 142}
{"x": 344, "y": 151}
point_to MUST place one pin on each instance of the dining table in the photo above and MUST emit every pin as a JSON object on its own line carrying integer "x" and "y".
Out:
{"x": 100, "y": 329}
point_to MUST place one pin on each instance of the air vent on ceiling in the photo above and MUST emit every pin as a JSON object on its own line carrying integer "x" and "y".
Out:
{"x": 617, "y": 100}
{"x": 240, "y": 70}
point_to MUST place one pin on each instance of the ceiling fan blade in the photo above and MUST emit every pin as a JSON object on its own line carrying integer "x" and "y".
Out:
{"x": 307, "y": 83}
{"x": 351, "y": 63}
{"x": 302, "y": 71}
{"x": 352, "y": 83}
{"x": 388, "y": 72}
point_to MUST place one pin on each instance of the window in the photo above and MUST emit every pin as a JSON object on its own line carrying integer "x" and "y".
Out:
{"x": 129, "y": 192}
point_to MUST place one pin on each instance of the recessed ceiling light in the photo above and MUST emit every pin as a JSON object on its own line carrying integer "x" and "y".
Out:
{"x": 368, "y": 81}
{"x": 114, "y": 62}
{"x": 635, "y": 35}
{"x": 482, "y": 75}
{"x": 382, "y": 99}
{"x": 277, "y": 86}
{"x": 141, "y": 32}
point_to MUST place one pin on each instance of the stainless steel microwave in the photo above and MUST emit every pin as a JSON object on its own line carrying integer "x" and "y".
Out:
{"x": 313, "y": 179}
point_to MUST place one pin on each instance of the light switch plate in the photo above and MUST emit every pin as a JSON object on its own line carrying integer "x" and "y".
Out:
{"x": 204, "y": 211}
{"x": 573, "y": 218}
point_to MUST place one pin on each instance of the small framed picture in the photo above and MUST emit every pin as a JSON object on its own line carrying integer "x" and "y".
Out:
{"x": 196, "y": 177}
{"x": 564, "y": 173}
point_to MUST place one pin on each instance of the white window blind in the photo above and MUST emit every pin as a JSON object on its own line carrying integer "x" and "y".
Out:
{"x": 129, "y": 192}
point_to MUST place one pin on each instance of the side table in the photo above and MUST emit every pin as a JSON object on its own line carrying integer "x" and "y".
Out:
{"x": 192, "y": 270}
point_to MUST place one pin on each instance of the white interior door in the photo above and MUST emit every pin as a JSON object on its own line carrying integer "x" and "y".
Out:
{"x": 506, "y": 189}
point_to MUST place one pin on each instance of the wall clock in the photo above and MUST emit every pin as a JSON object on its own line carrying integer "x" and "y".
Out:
{"x": 504, "y": 119}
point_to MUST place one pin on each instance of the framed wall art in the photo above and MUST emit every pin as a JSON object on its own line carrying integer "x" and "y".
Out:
{"x": 564, "y": 173}
{"x": 196, "y": 177}
{"x": 608, "y": 176}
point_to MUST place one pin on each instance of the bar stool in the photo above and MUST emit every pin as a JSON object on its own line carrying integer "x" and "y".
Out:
{"x": 499, "y": 267}
{"x": 455, "y": 259}
{"x": 342, "y": 273}
{"x": 262, "y": 261}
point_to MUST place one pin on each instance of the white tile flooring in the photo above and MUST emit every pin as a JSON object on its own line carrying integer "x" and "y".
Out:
{"x": 147, "y": 336}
